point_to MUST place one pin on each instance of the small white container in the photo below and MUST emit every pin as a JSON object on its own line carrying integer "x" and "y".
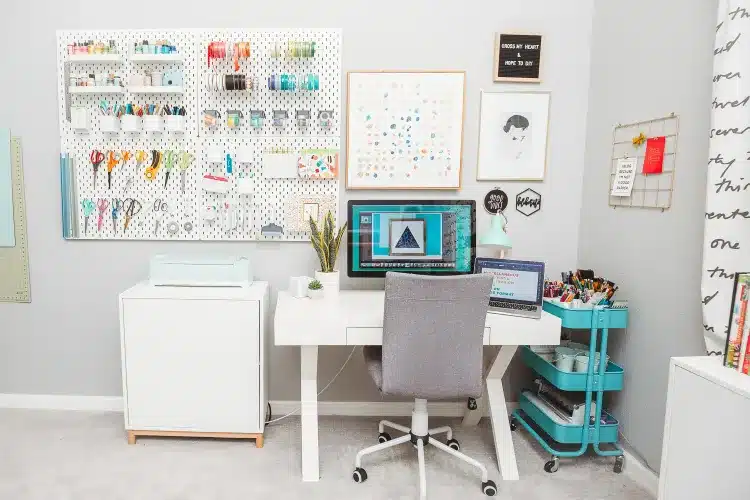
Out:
{"x": 565, "y": 358}
{"x": 131, "y": 123}
{"x": 582, "y": 362}
{"x": 316, "y": 294}
{"x": 109, "y": 124}
{"x": 153, "y": 123}
{"x": 156, "y": 78}
{"x": 330, "y": 281}
{"x": 79, "y": 118}
{"x": 174, "y": 123}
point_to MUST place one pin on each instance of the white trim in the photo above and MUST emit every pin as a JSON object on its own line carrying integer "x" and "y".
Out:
{"x": 641, "y": 474}
{"x": 342, "y": 408}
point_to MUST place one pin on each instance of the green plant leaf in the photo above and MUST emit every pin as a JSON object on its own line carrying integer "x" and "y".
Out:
{"x": 330, "y": 241}
{"x": 316, "y": 240}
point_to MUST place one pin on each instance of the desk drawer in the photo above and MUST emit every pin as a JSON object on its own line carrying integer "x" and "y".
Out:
{"x": 374, "y": 336}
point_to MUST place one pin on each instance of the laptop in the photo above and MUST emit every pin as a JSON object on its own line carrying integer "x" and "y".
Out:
{"x": 518, "y": 286}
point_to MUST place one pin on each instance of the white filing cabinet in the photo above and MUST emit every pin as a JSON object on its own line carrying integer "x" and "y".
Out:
{"x": 706, "y": 431}
{"x": 194, "y": 361}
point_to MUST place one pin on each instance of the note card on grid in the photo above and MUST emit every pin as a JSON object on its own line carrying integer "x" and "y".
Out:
{"x": 280, "y": 165}
{"x": 7, "y": 228}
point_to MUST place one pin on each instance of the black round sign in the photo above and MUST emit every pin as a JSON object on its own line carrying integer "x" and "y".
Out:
{"x": 496, "y": 200}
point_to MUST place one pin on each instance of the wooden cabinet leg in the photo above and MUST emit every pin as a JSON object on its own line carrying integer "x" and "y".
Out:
{"x": 131, "y": 437}
{"x": 259, "y": 441}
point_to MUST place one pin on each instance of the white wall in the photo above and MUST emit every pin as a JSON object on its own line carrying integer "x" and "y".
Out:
{"x": 67, "y": 342}
{"x": 650, "y": 59}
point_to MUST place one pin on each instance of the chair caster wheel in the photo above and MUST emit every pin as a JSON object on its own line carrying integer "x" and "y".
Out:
{"x": 359, "y": 476}
{"x": 384, "y": 437}
{"x": 489, "y": 488}
{"x": 553, "y": 465}
{"x": 513, "y": 424}
{"x": 453, "y": 444}
{"x": 619, "y": 462}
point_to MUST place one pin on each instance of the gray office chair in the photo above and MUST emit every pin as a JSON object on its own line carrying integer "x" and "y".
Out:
{"x": 432, "y": 349}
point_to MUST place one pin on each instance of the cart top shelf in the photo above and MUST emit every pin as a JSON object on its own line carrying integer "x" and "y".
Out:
{"x": 586, "y": 317}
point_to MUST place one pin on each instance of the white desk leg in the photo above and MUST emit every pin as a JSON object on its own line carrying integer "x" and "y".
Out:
{"x": 309, "y": 403}
{"x": 506, "y": 454}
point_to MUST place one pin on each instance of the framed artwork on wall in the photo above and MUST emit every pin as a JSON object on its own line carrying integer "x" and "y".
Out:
{"x": 518, "y": 58}
{"x": 513, "y": 129}
{"x": 405, "y": 129}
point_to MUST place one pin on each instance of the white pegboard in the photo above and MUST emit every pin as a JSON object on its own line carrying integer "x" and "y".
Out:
{"x": 271, "y": 196}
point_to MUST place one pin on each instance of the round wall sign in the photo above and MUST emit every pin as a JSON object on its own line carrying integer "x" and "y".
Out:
{"x": 496, "y": 200}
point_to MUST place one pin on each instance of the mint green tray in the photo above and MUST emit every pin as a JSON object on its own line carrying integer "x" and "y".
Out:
{"x": 568, "y": 381}
{"x": 566, "y": 433}
{"x": 587, "y": 318}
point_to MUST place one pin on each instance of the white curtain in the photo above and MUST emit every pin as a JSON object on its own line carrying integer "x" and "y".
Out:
{"x": 726, "y": 247}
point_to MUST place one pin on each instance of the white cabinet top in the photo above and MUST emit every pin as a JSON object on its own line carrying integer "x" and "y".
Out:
{"x": 144, "y": 290}
{"x": 713, "y": 369}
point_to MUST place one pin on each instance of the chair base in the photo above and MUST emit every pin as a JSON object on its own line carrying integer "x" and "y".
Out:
{"x": 419, "y": 435}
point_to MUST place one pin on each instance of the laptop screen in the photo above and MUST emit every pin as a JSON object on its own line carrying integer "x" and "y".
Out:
{"x": 514, "y": 280}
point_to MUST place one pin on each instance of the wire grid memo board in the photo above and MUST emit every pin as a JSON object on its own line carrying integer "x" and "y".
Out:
{"x": 652, "y": 190}
{"x": 264, "y": 199}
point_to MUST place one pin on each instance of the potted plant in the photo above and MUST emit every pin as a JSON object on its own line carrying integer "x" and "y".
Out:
{"x": 315, "y": 290}
{"x": 326, "y": 242}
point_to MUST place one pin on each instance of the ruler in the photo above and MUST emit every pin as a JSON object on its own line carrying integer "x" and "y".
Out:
{"x": 14, "y": 261}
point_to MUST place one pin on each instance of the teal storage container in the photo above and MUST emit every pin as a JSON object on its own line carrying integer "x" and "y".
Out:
{"x": 573, "y": 381}
{"x": 570, "y": 434}
{"x": 586, "y": 318}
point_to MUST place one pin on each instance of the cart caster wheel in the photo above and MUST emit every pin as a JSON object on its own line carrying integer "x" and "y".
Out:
{"x": 513, "y": 424}
{"x": 619, "y": 462}
{"x": 489, "y": 488}
{"x": 453, "y": 444}
{"x": 359, "y": 476}
{"x": 552, "y": 465}
{"x": 384, "y": 437}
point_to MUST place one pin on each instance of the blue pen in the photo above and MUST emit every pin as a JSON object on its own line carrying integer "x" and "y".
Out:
{"x": 229, "y": 163}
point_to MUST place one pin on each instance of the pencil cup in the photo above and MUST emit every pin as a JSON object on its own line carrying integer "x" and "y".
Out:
{"x": 153, "y": 123}
{"x": 109, "y": 124}
{"x": 174, "y": 123}
{"x": 131, "y": 123}
{"x": 565, "y": 358}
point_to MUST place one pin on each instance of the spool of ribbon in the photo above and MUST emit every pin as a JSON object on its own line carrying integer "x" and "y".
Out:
{"x": 241, "y": 50}
{"x": 216, "y": 50}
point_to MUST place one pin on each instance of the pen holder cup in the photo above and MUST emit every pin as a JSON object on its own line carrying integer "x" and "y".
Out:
{"x": 109, "y": 124}
{"x": 131, "y": 123}
{"x": 153, "y": 123}
{"x": 174, "y": 123}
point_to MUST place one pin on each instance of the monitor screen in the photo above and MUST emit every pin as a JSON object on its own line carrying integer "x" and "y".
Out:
{"x": 514, "y": 280}
{"x": 425, "y": 237}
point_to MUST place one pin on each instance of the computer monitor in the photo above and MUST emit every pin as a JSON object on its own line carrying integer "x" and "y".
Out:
{"x": 436, "y": 237}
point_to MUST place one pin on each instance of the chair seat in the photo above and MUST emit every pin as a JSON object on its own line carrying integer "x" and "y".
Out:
{"x": 374, "y": 362}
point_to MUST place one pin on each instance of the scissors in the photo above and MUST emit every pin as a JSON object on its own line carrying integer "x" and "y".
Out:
{"x": 185, "y": 160}
{"x": 116, "y": 209}
{"x": 102, "y": 205}
{"x": 168, "y": 164}
{"x": 140, "y": 159}
{"x": 112, "y": 161}
{"x": 97, "y": 158}
{"x": 88, "y": 209}
{"x": 132, "y": 208}
{"x": 155, "y": 164}
{"x": 160, "y": 207}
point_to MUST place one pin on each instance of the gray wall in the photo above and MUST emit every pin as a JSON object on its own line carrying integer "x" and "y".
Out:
{"x": 650, "y": 59}
{"x": 67, "y": 341}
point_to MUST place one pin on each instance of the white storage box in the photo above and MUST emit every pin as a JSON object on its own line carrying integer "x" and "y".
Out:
{"x": 199, "y": 271}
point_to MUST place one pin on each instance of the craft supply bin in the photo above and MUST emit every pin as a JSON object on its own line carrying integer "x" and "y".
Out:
{"x": 607, "y": 377}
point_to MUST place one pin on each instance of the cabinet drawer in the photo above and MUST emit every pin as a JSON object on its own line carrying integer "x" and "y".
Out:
{"x": 374, "y": 336}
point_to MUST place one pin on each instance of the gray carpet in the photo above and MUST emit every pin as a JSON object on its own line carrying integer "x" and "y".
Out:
{"x": 50, "y": 455}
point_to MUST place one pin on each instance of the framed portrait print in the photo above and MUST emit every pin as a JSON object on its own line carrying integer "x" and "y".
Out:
{"x": 513, "y": 130}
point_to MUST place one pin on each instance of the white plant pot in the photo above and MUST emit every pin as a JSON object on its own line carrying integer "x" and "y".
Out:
{"x": 330, "y": 281}
{"x": 316, "y": 294}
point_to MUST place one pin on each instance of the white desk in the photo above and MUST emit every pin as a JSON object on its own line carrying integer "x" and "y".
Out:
{"x": 356, "y": 318}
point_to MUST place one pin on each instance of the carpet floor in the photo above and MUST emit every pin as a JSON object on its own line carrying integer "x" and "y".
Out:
{"x": 54, "y": 455}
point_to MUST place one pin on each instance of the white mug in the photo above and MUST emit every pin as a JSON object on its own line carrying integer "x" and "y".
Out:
{"x": 298, "y": 286}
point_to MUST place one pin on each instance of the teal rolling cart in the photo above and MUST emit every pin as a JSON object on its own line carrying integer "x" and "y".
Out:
{"x": 608, "y": 377}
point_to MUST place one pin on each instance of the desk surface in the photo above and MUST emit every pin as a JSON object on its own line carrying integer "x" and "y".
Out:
{"x": 355, "y": 317}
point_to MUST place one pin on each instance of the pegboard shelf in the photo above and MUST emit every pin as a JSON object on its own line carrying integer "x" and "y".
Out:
{"x": 156, "y": 58}
{"x": 95, "y": 58}
{"x": 156, "y": 90}
{"x": 104, "y": 89}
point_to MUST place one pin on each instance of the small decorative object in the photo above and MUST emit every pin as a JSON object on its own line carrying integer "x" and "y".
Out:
{"x": 280, "y": 116}
{"x": 639, "y": 140}
{"x": 172, "y": 79}
{"x": 318, "y": 164}
{"x": 315, "y": 290}
{"x": 325, "y": 119}
{"x": 528, "y": 202}
{"x": 497, "y": 236}
{"x": 653, "y": 161}
{"x": 622, "y": 185}
{"x": 513, "y": 136}
{"x": 234, "y": 118}
{"x": 256, "y": 118}
{"x": 299, "y": 209}
{"x": 517, "y": 58}
{"x": 298, "y": 286}
{"x": 326, "y": 243}
{"x": 496, "y": 200}
{"x": 303, "y": 117}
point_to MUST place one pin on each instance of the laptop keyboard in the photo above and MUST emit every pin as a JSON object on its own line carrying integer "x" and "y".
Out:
{"x": 509, "y": 305}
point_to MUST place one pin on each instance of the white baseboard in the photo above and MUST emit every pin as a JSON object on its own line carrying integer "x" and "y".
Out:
{"x": 641, "y": 474}
{"x": 279, "y": 408}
